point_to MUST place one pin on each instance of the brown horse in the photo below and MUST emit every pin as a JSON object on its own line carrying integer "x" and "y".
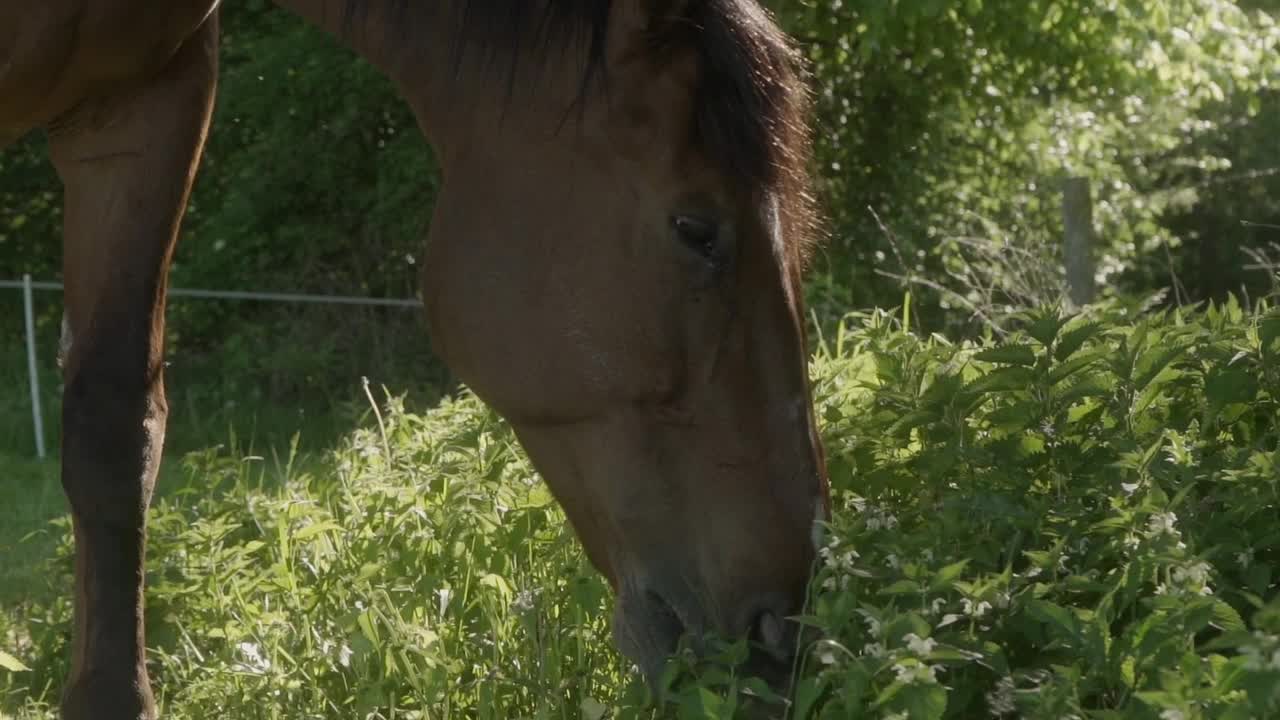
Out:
{"x": 613, "y": 264}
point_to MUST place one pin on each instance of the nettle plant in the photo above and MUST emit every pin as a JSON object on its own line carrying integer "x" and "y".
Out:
{"x": 1074, "y": 521}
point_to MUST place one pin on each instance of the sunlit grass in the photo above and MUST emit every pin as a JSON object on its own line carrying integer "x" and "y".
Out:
{"x": 1077, "y": 521}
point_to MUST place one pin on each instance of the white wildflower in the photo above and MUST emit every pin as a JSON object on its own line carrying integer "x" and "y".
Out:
{"x": 918, "y": 645}
{"x": 835, "y": 582}
{"x": 1172, "y": 714}
{"x": 874, "y": 649}
{"x": 892, "y": 561}
{"x": 1196, "y": 576}
{"x": 873, "y": 625}
{"x": 1162, "y": 523}
{"x": 975, "y": 609}
{"x": 949, "y": 618}
{"x": 827, "y": 655}
{"x": 916, "y": 673}
{"x": 254, "y": 662}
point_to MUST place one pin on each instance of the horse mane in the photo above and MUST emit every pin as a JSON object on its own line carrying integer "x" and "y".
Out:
{"x": 752, "y": 101}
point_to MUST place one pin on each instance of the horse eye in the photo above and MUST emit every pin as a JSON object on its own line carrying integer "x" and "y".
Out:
{"x": 698, "y": 234}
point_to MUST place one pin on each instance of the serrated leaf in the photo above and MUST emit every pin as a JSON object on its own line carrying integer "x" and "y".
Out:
{"x": 1226, "y": 618}
{"x": 1230, "y": 385}
{"x": 1014, "y": 418}
{"x": 1044, "y": 328}
{"x": 1087, "y": 387}
{"x": 947, "y": 575}
{"x": 1152, "y": 363}
{"x": 919, "y": 418}
{"x": 1073, "y": 339}
{"x": 1056, "y": 616}
{"x": 1064, "y": 370}
{"x": 1152, "y": 391}
{"x": 1003, "y": 380}
{"x": 1012, "y": 354}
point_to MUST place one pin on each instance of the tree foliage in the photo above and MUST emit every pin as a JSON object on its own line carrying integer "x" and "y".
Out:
{"x": 955, "y": 120}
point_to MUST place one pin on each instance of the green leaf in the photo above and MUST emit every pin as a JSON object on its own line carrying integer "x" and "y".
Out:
{"x": 1056, "y": 616}
{"x": 947, "y": 575}
{"x": 702, "y": 703}
{"x": 1003, "y": 380}
{"x": 808, "y": 691}
{"x": 1064, "y": 370}
{"x": 11, "y": 663}
{"x": 1269, "y": 333}
{"x": 1045, "y": 326}
{"x": 1229, "y": 385}
{"x": 1008, "y": 355}
{"x": 901, "y": 587}
{"x": 1226, "y": 618}
{"x": 1153, "y": 362}
{"x": 926, "y": 702}
{"x": 1074, "y": 338}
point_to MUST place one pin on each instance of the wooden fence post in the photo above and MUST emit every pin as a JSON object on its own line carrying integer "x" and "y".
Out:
{"x": 1077, "y": 220}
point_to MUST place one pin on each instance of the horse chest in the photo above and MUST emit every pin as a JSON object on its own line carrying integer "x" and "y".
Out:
{"x": 56, "y": 54}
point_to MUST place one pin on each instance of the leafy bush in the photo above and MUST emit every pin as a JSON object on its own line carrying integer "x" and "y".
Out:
{"x": 960, "y": 120}
{"x": 1074, "y": 521}
{"x": 1071, "y": 522}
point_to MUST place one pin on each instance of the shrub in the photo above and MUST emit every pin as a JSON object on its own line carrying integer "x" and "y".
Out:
{"x": 1077, "y": 520}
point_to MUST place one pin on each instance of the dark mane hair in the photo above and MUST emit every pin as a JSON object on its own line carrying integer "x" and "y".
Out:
{"x": 752, "y": 103}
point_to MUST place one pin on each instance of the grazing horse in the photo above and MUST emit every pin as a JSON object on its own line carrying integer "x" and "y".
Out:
{"x": 614, "y": 265}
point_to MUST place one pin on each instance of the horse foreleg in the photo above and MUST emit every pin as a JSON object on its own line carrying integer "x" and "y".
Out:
{"x": 127, "y": 162}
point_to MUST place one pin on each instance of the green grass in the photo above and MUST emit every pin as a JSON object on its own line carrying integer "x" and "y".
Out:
{"x": 1077, "y": 521}
{"x": 30, "y": 496}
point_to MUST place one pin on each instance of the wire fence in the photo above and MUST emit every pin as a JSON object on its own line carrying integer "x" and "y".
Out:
{"x": 29, "y": 288}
